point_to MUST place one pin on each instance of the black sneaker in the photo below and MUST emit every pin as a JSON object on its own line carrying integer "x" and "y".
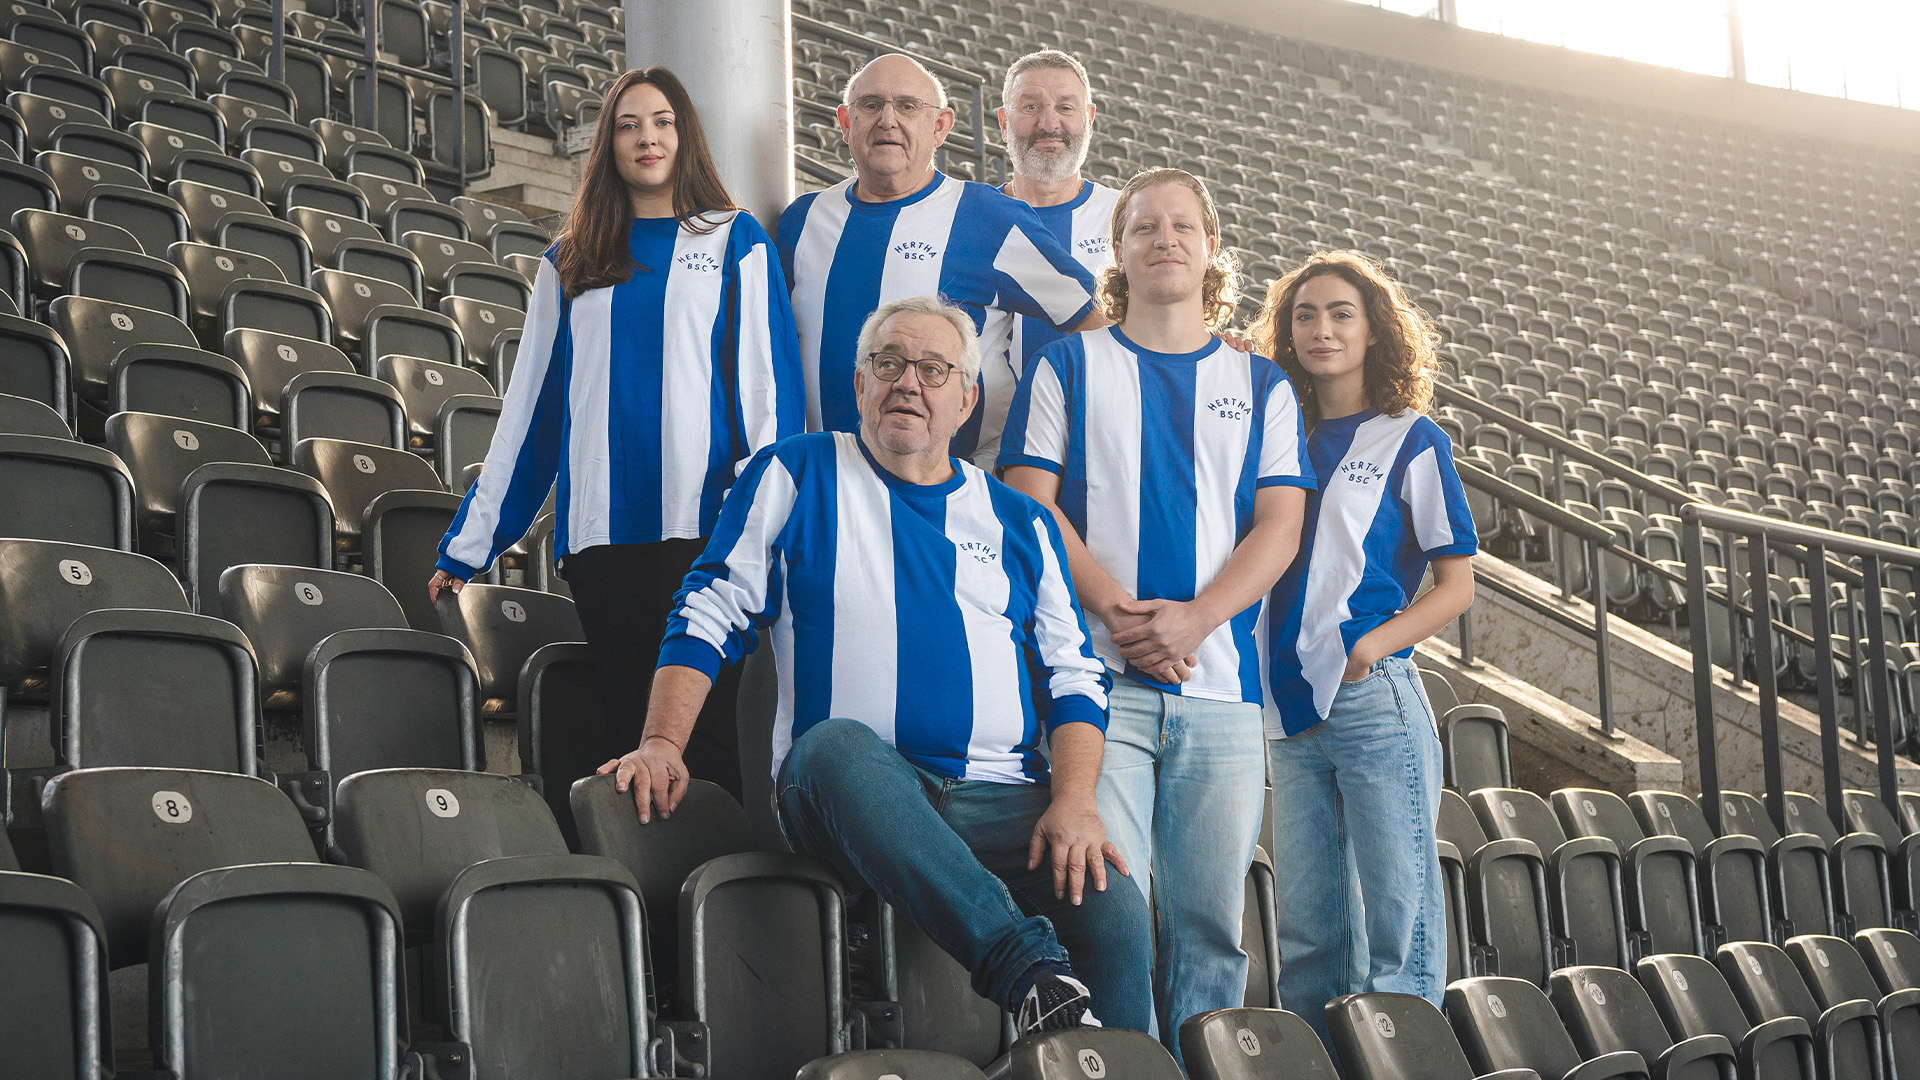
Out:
{"x": 1055, "y": 1001}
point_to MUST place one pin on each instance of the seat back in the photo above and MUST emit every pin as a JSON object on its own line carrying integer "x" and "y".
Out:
{"x": 53, "y": 984}
{"x": 1768, "y": 986}
{"x": 463, "y": 431}
{"x": 504, "y": 626}
{"x": 1692, "y": 997}
{"x": 46, "y": 585}
{"x": 1892, "y": 955}
{"x": 1475, "y": 737}
{"x": 1606, "y": 1010}
{"x": 1458, "y": 825}
{"x": 1866, "y": 813}
{"x": 1507, "y": 904}
{"x": 287, "y": 610}
{"x": 418, "y": 828}
{"x": 1670, "y": 813}
{"x": 761, "y": 960}
{"x": 1075, "y": 1053}
{"x": 386, "y": 699}
{"x": 354, "y": 474}
{"x": 128, "y": 836}
{"x": 1384, "y": 1036}
{"x": 1252, "y": 1044}
{"x": 1742, "y": 813}
{"x": 1832, "y": 970}
{"x": 232, "y": 514}
{"x": 400, "y": 533}
{"x": 345, "y": 407}
{"x": 564, "y": 727}
{"x": 1513, "y": 813}
{"x": 567, "y": 931}
{"x": 66, "y": 491}
{"x": 254, "y": 962}
{"x": 1807, "y": 814}
{"x": 1508, "y": 1024}
{"x": 161, "y": 451}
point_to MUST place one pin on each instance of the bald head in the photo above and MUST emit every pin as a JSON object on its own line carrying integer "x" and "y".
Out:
{"x": 892, "y": 75}
{"x": 893, "y": 119}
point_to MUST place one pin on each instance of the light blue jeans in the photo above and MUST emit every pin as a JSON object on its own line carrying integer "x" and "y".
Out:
{"x": 1356, "y": 799}
{"x": 1181, "y": 790}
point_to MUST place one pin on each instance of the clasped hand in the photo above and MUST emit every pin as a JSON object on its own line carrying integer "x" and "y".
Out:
{"x": 1159, "y": 637}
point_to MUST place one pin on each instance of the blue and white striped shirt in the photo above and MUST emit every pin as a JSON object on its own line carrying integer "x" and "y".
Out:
{"x": 1159, "y": 456}
{"x": 644, "y": 397}
{"x": 934, "y": 614}
{"x": 1390, "y": 502}
{"x": 1084, "y": 225}
{"x": 963, "y": 241}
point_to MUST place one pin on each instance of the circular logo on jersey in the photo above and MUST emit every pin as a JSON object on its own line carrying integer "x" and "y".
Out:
{"x": 75, "y": 572}
{"x": 433, "y": 377}
{"x": 443, "y": 803}
{"x": 308, "y": 593}
{"x": 363, "y": 463}
{"x": 172, "y": 807}
{"x": 287, "y": 353}
{"x": 224, "y": 263}
{"x": 186, "y": 440}
{"x": 513, "y": 611}
{"x": 121, "y": 321}
{"x": 77, "y": 233}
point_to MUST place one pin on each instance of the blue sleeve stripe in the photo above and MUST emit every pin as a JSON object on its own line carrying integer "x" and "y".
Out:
{"x": 728, "y": 593}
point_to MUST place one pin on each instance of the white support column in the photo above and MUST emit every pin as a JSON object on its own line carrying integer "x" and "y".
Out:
{"x": 736, "y": 59}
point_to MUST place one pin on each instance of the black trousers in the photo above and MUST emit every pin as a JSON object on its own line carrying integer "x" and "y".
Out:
{"x": 624, "y": 593}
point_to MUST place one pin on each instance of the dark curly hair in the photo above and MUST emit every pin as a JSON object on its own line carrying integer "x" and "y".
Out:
{"x": 1399, "y": 365}
{"x": 1217, "y": 290}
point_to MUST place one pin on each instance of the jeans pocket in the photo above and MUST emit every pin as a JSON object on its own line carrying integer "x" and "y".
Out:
{"x": 1374, "y": 672}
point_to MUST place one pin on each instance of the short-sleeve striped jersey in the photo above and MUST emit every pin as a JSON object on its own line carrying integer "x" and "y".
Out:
{"x": 1159, "y": 456}
{"x": 941, "y": 616}
{"x": 963, "y": 241}
{"x": 1390, "y": 502}
{"x": 644, "y": 398}
{"x": 1083, "y": 224}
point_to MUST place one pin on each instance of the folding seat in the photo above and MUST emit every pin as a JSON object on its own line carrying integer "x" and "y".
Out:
{"x": 231, "y": 514}
{"x": 343, "y": 406}
{"x": 326, "y": 230}
{"x": 1071, "y": 1054}
{"x": 53, "y": 985}
{"x": 278, "y": 243}
{"x": 1606, "y": 1011}
{"x": 1867, "y": 814}
{"x": 58, "y": 83}
{"x": 490, "y": 283}
{"x": 400, "y": 537}
{"x": 98, "y": 330}
{"x": 405, "y": 215}
{"x": 1836, "y": 974}
{"x": 379, "y": 259}
{"x": 1859, "y": 863}
{"x": 24, "y": 187}
{"x": 155, "y": 220}
{"x": 1663, "y": 902}
{"x": 337, "y": 139}
{"x": 276, "y": 306}
{"x": 25, "y": 416}
{"x": 1797, "y": 877}
{"x": 410, "y": 331}
{"x": 320, "y": 193}
{"x": 1735, "y": 899}
{"x": 1846, "y": 1038}
{"x": 160, "y": 452}
{"x": 439, "y": 254}
{"x": 53, "y": 241}
{"x": 207, "y": 206}
{"x": 518, "y": 238}
{"x": 354, "y": 474}
{"x": 476, "y": 138}
{"x": 479, "y": 323}
{"x": 42, "y": 117}
{"x": 263, "y": 127}
{"x": 1387, "y": 1036}
{"x": 1583, "y": 874}
{"x": 128, "y": 91}
{"x": 34, "y": 362}
{"x": 59, "y": 489}
{"x": 259, "y": 89}
{"x": 352, "y": 298}
{"x": 390, "y": 111}
{"x": 564, "y": 735}
{"x": 272, "y": 360}
{"x": 503, "y": 627}
{"x": 500, "y": 80}
{"x": 1507, "y": 899}
{"x": 1475, "y": 737}
{"x": 75, "y": 177}
{"x": 209, "y": 270}
{"x": 425, "y": 386}
{"x": 506, "y": 350}
{"x": 14, "y": 288}
{"x": 527, "y": 266}
{"x": 462, "y": 432}
{"x": 1243, "y": 1044}
{"x": 277, "y": 170}
{"x": 175, "y": 380}
{"x": 1693, "y": 999}
{"x": 1509, "y": 1024}
{"x": 1893, "y": 956}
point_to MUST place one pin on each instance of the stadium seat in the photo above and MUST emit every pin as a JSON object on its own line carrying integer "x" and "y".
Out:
{"x": 354, "y": 474}
{"x": 385, "y": 699}
{"x": 1866, "y": 813}
{"x": 231, "y": 514}
{"x": 1260, "y": 934}
{"x": 1735, "y": 902}
{"x": 46, "y": 585}
{"x": 1693, "y": 999}
{"x": 564, "y": 734}
{"x": 276, "y": 306}
{"x": 504, "y": 626}
{"x": 1802, "y": 894}
{"x": 1662, "y": 890}
{"x": 1071, "y": 1054}
{"x": 407, "y": 330}
{"x": 1605, "y": 1011}
{"x": 1509, "y": 1024}
{"x": 154, "y": 219}
{"x": 160, "y": 452}
{"x": 1390, "y": 1036}
{"x": 25, "y": 416}
{"x": 286, "y": 611}
{"x": 381, "y": 260}
{"x": 1846, "y": 1037}
{"x": 1583, "y": 874}
{"x": 400, "y": 535}
{"x": 1252, "y": 1043}
{"x": 352, "y": 298}
{"x": 1835, "y": 974}
{"x": 479, "y": 323}
{"x": 340, "y": 406}
{"x": 270, "y": 361}
{"x": 34, "y": 363}
{"x": 425, "y": 386}
{"x": 57, "y": 489}
{"x": 462, "y": 432}
{"x": 1475, "y": 737}
{"x": 880, "y": 1064}
{"x": 179, "y": 381}
{"x": 1859, "y": 862}
{"x": 53, "y": 984}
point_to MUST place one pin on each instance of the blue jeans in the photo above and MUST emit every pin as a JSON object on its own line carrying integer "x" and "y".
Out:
{"x": 1181, "y": 790}
{"x": 951, "y": 855}
{"x": 1356, "y": 799}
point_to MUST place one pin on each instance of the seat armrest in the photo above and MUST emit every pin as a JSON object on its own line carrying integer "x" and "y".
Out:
{"x": 1754, "y": 1045}
{"x": 1795, "y": 842}
{"x": 1619, "y": 1065}
{"x": 1719, "y": 846}
{"x": 1580, "y": 847}
{"x": 1844, "y": 1013}
{"x": 1698, "y": 1048}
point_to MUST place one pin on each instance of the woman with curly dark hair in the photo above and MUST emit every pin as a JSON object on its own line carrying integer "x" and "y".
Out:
{"x": 1353, "y": 754}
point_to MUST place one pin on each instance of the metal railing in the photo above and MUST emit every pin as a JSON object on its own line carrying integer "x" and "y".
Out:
{"x": 970, "y": 144}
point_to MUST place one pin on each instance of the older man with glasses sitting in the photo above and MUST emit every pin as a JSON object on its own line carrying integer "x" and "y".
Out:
{"x": 901, "y": 227}
{"x": 928, "y": 644}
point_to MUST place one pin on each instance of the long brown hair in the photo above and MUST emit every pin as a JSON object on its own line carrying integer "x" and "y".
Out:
{"x": 1217, "y": 292}
{"x": 1399, "y": 365}
{"x": 593, "y": 250}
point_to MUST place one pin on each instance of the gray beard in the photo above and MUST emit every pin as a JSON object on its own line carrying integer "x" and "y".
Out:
{"x": 1050, "y": 168}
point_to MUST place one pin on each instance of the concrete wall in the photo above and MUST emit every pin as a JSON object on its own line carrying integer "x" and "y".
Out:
{"x": 1433, "y": 44}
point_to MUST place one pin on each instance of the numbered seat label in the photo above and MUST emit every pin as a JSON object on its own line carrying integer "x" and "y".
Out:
{"x": 513, "y": 611}
{"x": 1249, "y": 1042}
{"x": 75, "y": 572}
{"x": 308, "y": 593}
{"x": 1091, "y": 1063}
{"x": 172, "y": 807}
{"x": 443, "y": 803}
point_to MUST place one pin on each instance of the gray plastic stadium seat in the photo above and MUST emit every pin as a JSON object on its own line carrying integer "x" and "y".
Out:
{"x": 1252, "y": 1044}
{"x": 882, "y": 1064}
{"x": 128, "y": 836}
{"x": 480, "y": 323}
{"x": 425, "y": 385}
{"x": 230, "y": 514}
{"x": 1399, "y": 1037}
{"x": 53, "y": 980}
{"x": 407, "y": 330}
{"x": 52, "y": 242}
{"x": 276, "y": 306}
{"x": 1735, "y": 900}
{"x": 160, "y": 451}
{"x": 1796, "y": 865}
{"x": 1859, "y": 862}
{"x": 1662, "y": 889}
{"x": 462, "y": 432}
{"x": 484, "y": 217}
{"x": 1693, "y": 999}
{"x": 1074, "y": 1053}
{"x": 272, "y": 360}
{"x": 387, "y": 698}
{"x": 563, "y": 730}
{"x": 25, "y": 416}
{"x": 209, "y": 269}
{"x": 352, "y": 298}
{"x": 34, "y": 362}
{"x": 341, "y": 406}
{"x": 354, "y": 474}
{"x": 176, "y": 380}
{"x": 294, "y": 964}
{"x": 419, "y": 828}
{"x": 762, "y": 960}
{"x": 567, "y": 931}
{"x": 504, "y": 626}
{"x": 381, "y": 260}
{"x": 1509, "y": 1024}
{"x": 1846, "y": 1037}
{"x": 490, "y": 282}
{"x": 1892, "y": 955}
{"x": 59, "y": 489}
{"x": 286, "y": 611}
{"x": 400, "y": 533}
{"x": 439, "y": 254}
{"x": 1835, "y": 974}
{"x": 1605, "y": 1011}
{"x": 1583, "y": 878}
{"x": 1866, "y": 813}
{"x": 1477, "y": 756}
{"x": 46, "y": 585}
{"x": 154, "y": 219}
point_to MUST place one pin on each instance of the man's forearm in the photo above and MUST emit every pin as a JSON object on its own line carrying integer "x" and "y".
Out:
{"x": 674, "y": 705}
{"x": 1077, "y": 750}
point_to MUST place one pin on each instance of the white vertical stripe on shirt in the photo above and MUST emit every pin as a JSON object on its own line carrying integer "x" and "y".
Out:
{"x": 1113, "y": 471}
{"x": 759, "y": 412}
{"x": 866, "y": 630}
{"x": 931, "y": 216}
{"x": 691, "y": 307}
{"x": 1223, "y": 384}
{"x": 812, "y": 264}
{"x": 1426, "y": 497}
{"x": 590, "y": 465}
{"x": 980, "y": 584}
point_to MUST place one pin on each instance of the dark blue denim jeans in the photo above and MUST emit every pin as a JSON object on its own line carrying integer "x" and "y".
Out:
{"x": 951, "y": 855}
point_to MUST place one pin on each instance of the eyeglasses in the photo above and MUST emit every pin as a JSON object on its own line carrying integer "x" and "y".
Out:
{"x": 888, "y": 367}
{"x": 906, "y": 108}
